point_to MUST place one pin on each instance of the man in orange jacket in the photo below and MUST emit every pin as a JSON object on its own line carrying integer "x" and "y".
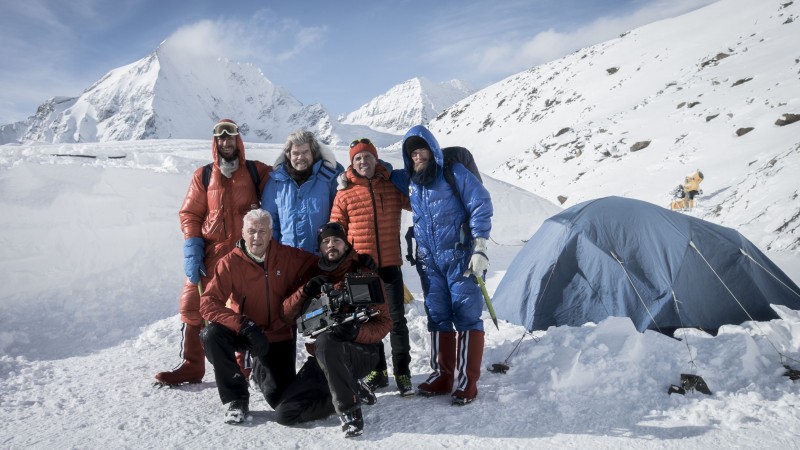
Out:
{"x": 255, "y": 276}
{"x": 370, "y": 209}
{"x": 211, "y": 221}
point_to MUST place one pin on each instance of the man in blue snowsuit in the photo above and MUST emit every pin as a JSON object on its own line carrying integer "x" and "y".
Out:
{"x": 300, "y": 190}
{"x": 451, "y": 228}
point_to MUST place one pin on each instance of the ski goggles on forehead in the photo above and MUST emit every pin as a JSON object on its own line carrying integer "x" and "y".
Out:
{"x": 226, "y": 127}
{"x": 360, "y": 141}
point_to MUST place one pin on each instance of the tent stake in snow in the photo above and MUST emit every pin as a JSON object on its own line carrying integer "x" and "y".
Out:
{"x": 505, "y": 365}
{"x": 690, "y": 382}
{"x": 488, "y": 301}
{"x": 793, "y": 374}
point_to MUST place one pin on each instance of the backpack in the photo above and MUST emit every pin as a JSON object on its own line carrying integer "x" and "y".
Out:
{"x": 451, "y": 155}
{"x": 464, "y": 157}
{"x": 251, "y": 167}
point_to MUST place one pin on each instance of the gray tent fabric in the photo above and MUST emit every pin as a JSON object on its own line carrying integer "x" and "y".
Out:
{"x": 622, "y": 257}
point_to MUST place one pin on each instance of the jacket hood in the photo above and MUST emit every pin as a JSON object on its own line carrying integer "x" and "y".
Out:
{"x": 239, "y": 145}
{"x": 281, "y": 173}
{"x": 325, "y": 154}
{"x": 425, "y": 134}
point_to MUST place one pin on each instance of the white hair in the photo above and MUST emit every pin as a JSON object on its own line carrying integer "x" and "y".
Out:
{"x": 257, "y": 215}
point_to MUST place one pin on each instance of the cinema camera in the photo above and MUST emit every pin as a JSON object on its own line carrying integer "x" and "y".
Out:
{"x": 361, "y": 291}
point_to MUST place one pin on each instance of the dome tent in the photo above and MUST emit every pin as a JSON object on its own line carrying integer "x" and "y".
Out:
{"x": 621, "y": 257}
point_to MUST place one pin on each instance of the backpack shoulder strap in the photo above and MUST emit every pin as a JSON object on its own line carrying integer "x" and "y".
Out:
{"x": 326, "y": 172}
{"x": 450, "y": 177}
{"x": 207, "y": 175}
{"x": 251, "y": 167}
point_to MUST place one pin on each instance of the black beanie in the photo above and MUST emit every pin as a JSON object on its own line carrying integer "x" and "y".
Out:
{"x": 331, "y": 229}
{"x": 415, "y": 142}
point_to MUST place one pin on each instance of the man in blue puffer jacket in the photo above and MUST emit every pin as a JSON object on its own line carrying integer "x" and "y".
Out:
{"x": 451, "y": 234}
{"x": 300, "y": 191}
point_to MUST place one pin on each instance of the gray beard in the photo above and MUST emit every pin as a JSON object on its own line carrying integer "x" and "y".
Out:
{"x": 228, "y": 167}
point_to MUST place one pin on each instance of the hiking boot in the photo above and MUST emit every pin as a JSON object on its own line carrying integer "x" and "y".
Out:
{"x": 365, "y": 394}
{"x": 470, "y": 354}
{"x": 193, "y": 366}
{"x": 352, "y": 422}
{"x": 237, "y": 412}
{"x": 443, "y": 363}
{"x": 376, "y": 380}
{"x": 458, "y": 400}
{"x": 404, "y": 385}
{"x": 186, "y": 373}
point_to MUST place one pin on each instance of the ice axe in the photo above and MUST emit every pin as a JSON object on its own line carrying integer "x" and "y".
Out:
{"x": 488, "y": 301}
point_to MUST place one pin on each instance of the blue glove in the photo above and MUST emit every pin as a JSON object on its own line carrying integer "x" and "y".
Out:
{"x": 193, "y": 254}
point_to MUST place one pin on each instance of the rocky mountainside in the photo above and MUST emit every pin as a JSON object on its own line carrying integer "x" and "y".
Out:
{"x": 716, "y": 89}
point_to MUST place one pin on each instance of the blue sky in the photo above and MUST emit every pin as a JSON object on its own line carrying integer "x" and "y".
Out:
{"x": 340, "y": 54}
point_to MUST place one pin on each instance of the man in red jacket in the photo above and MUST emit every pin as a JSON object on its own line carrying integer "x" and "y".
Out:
{"x": 341, "y": 355}
{"x": 255, "y": 277}
{"x": 211, "y": 221}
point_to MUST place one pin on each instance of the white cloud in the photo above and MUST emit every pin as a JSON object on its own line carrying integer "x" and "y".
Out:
{"x": 264, "y": 39}
{"x": 505, "y": 48}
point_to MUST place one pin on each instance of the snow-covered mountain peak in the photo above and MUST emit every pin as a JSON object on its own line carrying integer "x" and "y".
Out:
{"x": 412, "y": 102}
{"x": 170, "y": 94}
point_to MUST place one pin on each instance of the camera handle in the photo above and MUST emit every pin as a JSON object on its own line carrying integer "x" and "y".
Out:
{"x": 361, "y": 316}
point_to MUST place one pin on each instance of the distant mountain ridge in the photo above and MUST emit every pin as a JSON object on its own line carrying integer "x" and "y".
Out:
{"x": 410, "y": 103}
{"x": 168, "y": 96}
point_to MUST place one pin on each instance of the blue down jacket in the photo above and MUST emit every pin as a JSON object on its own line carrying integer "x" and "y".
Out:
{"x": 298, "y": 211}
{"x": 444, "y": 243}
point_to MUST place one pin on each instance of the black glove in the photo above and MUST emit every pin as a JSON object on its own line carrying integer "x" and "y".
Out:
{"x": 256, "y": 339}
{"x": 347, "y": 331}
{"x": 314, "y": 286}
{"x": 367, "y": 261}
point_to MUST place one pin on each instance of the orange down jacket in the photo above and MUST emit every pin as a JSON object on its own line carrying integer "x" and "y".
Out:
{"x": 370, "y": 211}
{"x": 216, "y": 215}
{"x": 255, "y": 292}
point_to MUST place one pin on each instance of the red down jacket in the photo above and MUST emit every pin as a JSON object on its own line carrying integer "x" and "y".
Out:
{"x": 255, "y": 292}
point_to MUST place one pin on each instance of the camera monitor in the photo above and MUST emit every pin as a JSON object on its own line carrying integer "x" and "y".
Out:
{"x": 364, "y": 289}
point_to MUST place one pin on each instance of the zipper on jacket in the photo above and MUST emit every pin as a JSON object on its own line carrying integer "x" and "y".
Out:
{"x": 224, "y": 225}
{"x": 266, "y": 282}
{"x": 375, "y": 222}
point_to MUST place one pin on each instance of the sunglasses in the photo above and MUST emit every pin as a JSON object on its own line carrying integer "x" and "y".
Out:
{"x": 226, "y": 127}
{"x": 360, "y": 141}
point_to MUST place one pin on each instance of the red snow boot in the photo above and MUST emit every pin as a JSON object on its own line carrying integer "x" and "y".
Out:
{"x": 443, "y": 359}
{"x": 470, "y": 354}
{"x": 194, "y": 360}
